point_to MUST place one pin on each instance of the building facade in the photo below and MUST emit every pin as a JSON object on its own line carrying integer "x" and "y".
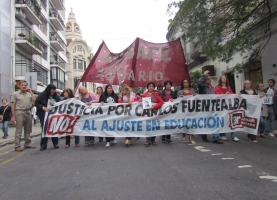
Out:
{"x": 78, "y": 54}
{"x": 35, "y": 42}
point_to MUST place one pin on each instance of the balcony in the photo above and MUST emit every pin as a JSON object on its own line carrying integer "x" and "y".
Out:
{"x": 55, "y": 61}
{"x": 25, "y": 39}
{"x": 57, "y": 42}
{"x": 59, "y": 4}
{"x": 56, "y": 19}
{"x": 30, "y": 9}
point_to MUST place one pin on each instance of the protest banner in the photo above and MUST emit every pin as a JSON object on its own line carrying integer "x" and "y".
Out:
{"x": 200, "y": 114}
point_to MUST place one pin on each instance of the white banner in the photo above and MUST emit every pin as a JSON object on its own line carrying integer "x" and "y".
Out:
{"x": 200, "y": 114}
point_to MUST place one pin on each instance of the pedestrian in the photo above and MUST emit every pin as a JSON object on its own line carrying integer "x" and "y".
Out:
{"x": 224, "y": 88}
{"x": 247, "y": 90}
{"x": 85, "y": 97}
{"x": 5, "y": 117}
{"x": 272, "y": 105}
{"x": 186, "y": 90}
{"x": 45, "y": 99}
{"x": 68, "y": 94}
{"x": 155, "y": 98}
{"x": 205, "y": 87}
{"x": 95, "y": 99}
{"x": 21, "y": 103}
{"x": 168, "y": 95}
{"x": 34, "y": 113}
{"x": 127, "y": 96}
{"x": 109, "y": 97}
{"x": 264, "y": 111}
{"x": 160, "y": 88}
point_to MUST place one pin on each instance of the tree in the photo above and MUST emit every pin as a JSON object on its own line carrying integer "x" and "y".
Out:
{"x": 194, "y": 76}
{"x": 221, "y": 28}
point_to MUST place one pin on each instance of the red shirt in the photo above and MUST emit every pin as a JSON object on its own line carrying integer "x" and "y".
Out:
{"x": 220, "y": 90}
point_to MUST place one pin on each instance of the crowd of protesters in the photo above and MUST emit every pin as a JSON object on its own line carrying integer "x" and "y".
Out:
{"x": 25, "y": 107}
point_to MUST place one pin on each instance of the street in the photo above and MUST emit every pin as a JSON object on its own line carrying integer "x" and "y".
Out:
{"x": 234, "y": 170}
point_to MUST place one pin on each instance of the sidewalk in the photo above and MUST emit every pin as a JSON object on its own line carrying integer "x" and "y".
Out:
{"x": 10, "y": 140}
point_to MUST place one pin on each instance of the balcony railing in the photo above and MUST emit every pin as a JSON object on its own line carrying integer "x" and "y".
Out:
{"x": 59, "y": 4}
{"x": 32, "y": 4}
{"x": 54, "y": 37}
{"x": 56, "y": 60}
{"x": 23, "y": 33}
{"x": 59, "y": 23}
{"x": 22, "y": 66}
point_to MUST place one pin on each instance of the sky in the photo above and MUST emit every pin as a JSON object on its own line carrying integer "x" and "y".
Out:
{"x": 119, "y": 22}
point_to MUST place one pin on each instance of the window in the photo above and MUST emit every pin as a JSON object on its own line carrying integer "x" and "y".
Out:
{"x": 58, "y": 77}
{"x": 54, "y": 73}
{"x": 85, "y": 65}
{"x": 74, "y": 64}
{"x": 80, "y": 64}
{"x": 79, "y": 48}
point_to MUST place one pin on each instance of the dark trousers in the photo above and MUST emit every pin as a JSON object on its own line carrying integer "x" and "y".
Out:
{"x": 89, "y": 138}
{"x": 67, "y": 139}
{"x": 100, "y": 139}
{"x": 166, "y": 137}
{"x": 128, "y": 138}
{"x": 151, "y": 139}
{"x": 44, "y": 140}
{"x": 108, "y": 139}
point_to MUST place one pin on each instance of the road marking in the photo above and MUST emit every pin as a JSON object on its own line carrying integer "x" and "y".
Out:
{"x": 202, "y": 149}
{"x": 7, "y": 161}
{"x": 216, "y": 154}
{"x": 272, "y": 178}
{"x": 227, "y": 158}
{"x": 244, "y": 166}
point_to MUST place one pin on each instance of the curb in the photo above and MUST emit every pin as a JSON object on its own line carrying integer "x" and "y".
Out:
{"x": 11, "y": 141}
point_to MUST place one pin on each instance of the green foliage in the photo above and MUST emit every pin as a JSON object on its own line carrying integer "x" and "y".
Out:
{"x": 222, "y": 28}
{"x": 194, "y": 76}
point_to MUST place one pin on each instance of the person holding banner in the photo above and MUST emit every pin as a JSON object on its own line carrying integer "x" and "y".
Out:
{"x": 68, "y": 94}
{"x": 205, "y": 87}
{"x": 168, "y": 95}
{"x": 264, "y": 111}
{"x": 87, "y": 99}
{"x": 48, "y": 96}
{"x": 155, "y": 98}
{"x": 127, "y": 96}
{"x": 247, "y": 90}
{"x": 224, "y": 88}
{"x": 271, "y": 97}
{"x": 186, "y": 90}
{"x": 109, "y": 97}
{"x": 95, "y": 99}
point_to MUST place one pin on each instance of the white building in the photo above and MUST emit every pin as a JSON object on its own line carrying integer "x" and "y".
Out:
{"x": 38, "y": 41}
{"x": 78, "y": 54}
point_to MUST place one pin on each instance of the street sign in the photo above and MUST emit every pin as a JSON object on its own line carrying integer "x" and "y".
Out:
{"x": 31, "y": 78}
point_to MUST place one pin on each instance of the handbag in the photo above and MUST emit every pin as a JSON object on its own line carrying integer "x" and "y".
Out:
{"x": 2, "y": 116}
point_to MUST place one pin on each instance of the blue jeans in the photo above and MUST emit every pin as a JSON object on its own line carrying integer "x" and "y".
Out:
{"x": 4, "y": 127}
{"x": 150, "y": 139}
{"x": 271, "y": 117}
{"x": 215, "y": 136}
{"x": 233, "y": 134}
{"x": 262, "y": 125}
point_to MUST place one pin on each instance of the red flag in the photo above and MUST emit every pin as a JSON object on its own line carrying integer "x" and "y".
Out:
{"x": 139, "y": 64}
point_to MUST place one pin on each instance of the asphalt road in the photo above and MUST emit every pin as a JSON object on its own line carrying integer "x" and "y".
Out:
{"x": 241, "y": 170}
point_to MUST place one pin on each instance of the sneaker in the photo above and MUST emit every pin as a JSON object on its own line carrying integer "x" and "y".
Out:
{"x": 235, "y": 139}
{"x": 271, "y": 135}
{"x": 254, "y": 141}
{"x": 107, "y": 144}
{"x": 169, "y": 141}
{"x": 113, "y": 142}
{"x": 217, "y": 141}
{"x": 223, "y": 138}
{"x": 192, "y": 142}
{"x": 130, "y": 142}
{"x": 127, "y": 142}
{"x": 18, "y": 149}
{"x": 263, "y": 136}
{"x": 146, "y": 144}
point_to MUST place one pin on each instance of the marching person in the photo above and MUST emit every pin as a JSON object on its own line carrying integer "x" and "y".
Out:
{"x": 168, "y": 95}
{"x": 205, "y": 87}
{"x": 272, "y": 108}
{"x": 95, "y": 99}
{"x": 155, "y": 98}
{"x": 87, "y": 99}
{"x": 264, "y": 110}
{"x": 247, "y": 90}
{"x": 21, "y": 103}
{"x": 68, "y": 94}
{"x": 224, "y": 88}
{"x": 127, "y": 96}
{"x": 109, "y": 97}
{"x": 186, "y": 90}
{"x": 5, "y": 117}
{"x": 48, "y": 96}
